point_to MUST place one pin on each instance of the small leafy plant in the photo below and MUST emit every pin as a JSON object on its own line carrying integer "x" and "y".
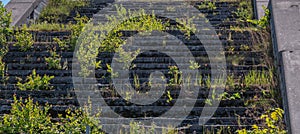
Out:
{"x": 186, "y": 25}
{"x": 244, "y": 11}
{"x": 175, "y": 75}
{"x": 35, "y": 82}
{"x": 53, "y": 62}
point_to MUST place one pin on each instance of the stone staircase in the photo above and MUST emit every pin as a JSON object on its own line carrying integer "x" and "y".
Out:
{"x": 233, "y": 113}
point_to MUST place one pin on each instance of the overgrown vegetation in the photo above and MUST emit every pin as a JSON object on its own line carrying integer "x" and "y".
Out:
{"x": 5, "y": 30}
{"x": 29, "y": 117}
{"x": 245, "y": 14}
{"x": 76, "y": 121}
{"x": 57, "y": 10}
{"x": 113, "y": 41}
{"x": 273, "y": 123}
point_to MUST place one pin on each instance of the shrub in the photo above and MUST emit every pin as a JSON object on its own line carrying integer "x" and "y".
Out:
{"x": 28, "y": 118}
{"x": 35, "y": 82}
{"x": 78, "y": 120}
{"x": 23, "y": 40}
{"x": 53, "y": 62}
{"x": 5, "y": 20}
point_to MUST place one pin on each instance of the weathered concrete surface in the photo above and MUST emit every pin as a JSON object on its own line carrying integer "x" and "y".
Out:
{"x": 291, "y": 65}
{"x": 21, "y": 10}
{"x": 258, "y": 7}
{"x": 286, "y": 39}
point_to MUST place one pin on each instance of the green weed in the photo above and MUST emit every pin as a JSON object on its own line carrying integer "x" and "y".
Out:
{"x": 257, "y": 78}
{"x": 53, "y": 62}
{"x": 175, "y": 75}
{"x": 207, "y": 4}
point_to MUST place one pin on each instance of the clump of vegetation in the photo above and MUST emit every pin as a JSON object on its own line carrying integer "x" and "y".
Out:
{"x": 28, "y": 117}
{"x": 258, "y": 78}
{"x": 175, "y": 73}
{"x": 230, "y": 82}
{"x": 53, "y": 62}
{"x": 75, "y": 29}
{"x": 5, "y": 31}
{"x": 112, "y": 41}
{"x": 207, "y": 4}
{"x": 35, "y": 82}
{"x": 263, "y": 22}
{"x": 186, "y": 25}
{"x": 244, "y": 11}
{"x": 245, "y": 14}
{"x": 134, "y": 21}
{"x": 57, "y": 10}
{"x": 23, "y": 40}
{"x": 272, "y": 123}
{"x": 77, "y": 121}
